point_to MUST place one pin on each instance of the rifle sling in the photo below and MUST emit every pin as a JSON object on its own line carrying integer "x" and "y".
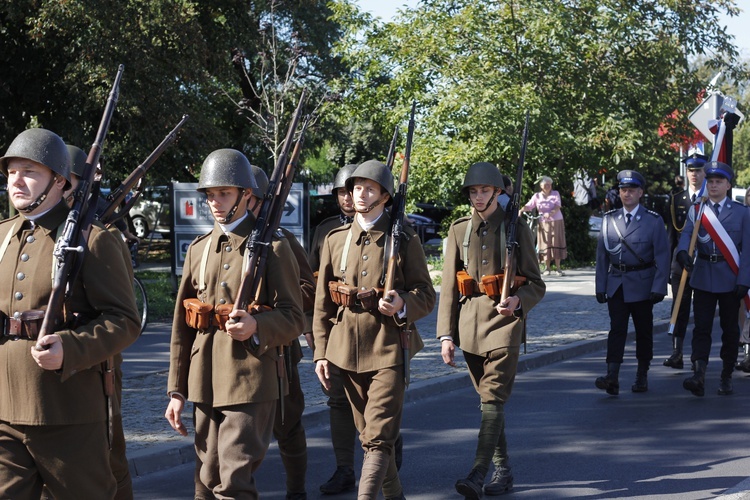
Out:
{"x": 467, "y": 237}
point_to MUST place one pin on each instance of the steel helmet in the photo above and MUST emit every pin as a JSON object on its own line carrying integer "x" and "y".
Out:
{"x": 342, "y": 175}
{"x": 77, "y": 160}
{"x": 261, "y": 179}
{"x": 226, "y": 167}
{"x": 375, "y": 171}
{"x": 482, "y": 173}
{"x": 42, "y": 146}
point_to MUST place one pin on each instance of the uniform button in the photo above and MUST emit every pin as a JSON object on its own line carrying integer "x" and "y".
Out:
{"x": 20, "y": 276}
{"x": 484, "y": 262}
{"x": 17, "y": 314}
{"x": 364, "y": 273}
{"x": 24, "y": 257}
{"x": 224, "y": 284}
{"x": 367, "y": 242}
{"x": 364, "y": 257}
{"x": 226, "y": 266}
{"x": 484, "y": 233}
{"x": 362, "y": 288}
{"x": 18, "y": 296}
{"x": 228, "y": 249}
{"x": 484, "y": 247}
{"x": 30, "y": 239}
{"x": 222, "y": 301}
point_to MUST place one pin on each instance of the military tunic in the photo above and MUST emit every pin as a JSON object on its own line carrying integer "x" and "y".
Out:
{"x": 220, "y": 374}
{"x": 364, "y": 344}
{"x": 476, "y": 326}
{"x": 679, "y": 207}
{"x": 319, "y": 236}
{"x": 73, "y": 396}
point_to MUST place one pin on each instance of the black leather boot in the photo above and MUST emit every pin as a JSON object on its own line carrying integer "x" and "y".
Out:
{"x": 610, "y": 382}
{"x": 471, "y": 486}
{"x": 725, "y": 385}
{"x": 342, "y": 480}
{"x": 641, "y": 377}
{"x": 675, "y": 360}
{"x": 744, "y": 365}
{"x": 502, "y": 482}
{"x": 696, "y": 383}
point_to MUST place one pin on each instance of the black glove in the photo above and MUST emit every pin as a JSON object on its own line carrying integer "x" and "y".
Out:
{"x": 731, "y": 120}
{"x": 741, "y": 291}
{"x": 684, "y": 260}
{"x": 655, "y": 298}
{"x": 601, "y": 297}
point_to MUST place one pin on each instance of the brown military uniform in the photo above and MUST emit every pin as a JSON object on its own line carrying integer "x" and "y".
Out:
{"x": 477, "y": 327}
{"x": 343, "y": 429}
{"x": 229, "y": 381}
{"x": 54, "y": 422}
{"x": 364, "y": 344}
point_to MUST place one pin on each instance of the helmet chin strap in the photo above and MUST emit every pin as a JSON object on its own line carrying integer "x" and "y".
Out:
{"x": 35, "y": 204}
{"x": 233, "y": 210}
{"x": 489, "y": 202}
{"x": 369, "y": 209}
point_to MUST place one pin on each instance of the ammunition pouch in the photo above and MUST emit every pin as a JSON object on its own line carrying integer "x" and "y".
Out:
{"x": 369, "y": 298}
{"x": 221, "y": 315}
{"x": 466, "y": 284}
{"x": 24, "y": 326}
{"x": 342, "y": 294}
{"x": 197, "y": 314}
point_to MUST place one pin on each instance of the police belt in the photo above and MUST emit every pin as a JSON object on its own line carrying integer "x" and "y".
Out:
{"x": 713, "y": 257}
{"x": 623, "y": 268}
{"x": 25, "y": 325}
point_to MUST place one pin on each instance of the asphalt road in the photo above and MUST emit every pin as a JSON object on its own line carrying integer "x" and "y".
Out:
{"x": 567, "y": 439}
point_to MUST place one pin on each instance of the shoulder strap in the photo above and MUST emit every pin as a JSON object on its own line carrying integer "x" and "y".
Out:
{"x": 465, "y": 249}
{"x": 345, "y": 255}
{"x": 204, "y": 265}
{"x": 6, "y": 241}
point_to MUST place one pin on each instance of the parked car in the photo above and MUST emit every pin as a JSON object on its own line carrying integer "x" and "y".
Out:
{"x": 426, "y": 228}
{"x": 152, "y": 212}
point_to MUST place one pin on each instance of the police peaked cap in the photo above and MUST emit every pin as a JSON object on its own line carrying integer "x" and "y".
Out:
{"x": 695, "y": 161}
{"x": 631, "y": 178}
{"x": 719, "y": 169}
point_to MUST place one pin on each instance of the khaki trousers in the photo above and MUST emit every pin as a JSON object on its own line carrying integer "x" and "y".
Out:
{"x": 230, "y": 444}
{"x": 494, "y": 373}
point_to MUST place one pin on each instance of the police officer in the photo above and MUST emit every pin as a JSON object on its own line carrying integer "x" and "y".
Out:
{"x": 359, "y": 332}
{"x": 488, "y": 331}
{"x": 679, "y": 206}
{"x": 712, "y": 278}
{"x": 53, "y": 421}
{"x": 632, "y": 267}
{"x": 289, "y": 431}
{"x": 228, "y": 368}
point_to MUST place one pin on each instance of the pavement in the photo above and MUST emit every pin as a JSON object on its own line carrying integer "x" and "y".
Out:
{"x": 568, "y": 324}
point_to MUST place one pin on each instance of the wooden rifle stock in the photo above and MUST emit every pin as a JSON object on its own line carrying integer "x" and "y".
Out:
{"x": 512, "y": 216}
{"x": 108, "y": 215}
{"x": 684, "y": 275}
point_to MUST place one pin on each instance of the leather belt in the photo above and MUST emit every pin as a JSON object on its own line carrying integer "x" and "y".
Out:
{"x": 21, "y": 328}
{"x": 713, "y": 257}
{"x": 638, "y": 267}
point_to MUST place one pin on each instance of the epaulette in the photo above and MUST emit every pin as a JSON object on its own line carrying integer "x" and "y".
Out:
{"x": 465, "y": 218}
{"x": 735, "y": 202}
{"x": 611, "y": 211}
{"x": 202, "y": 236}
{"x": 655, "y": 214}
{"x": 340, "y": 228}
{"x": 279, "y": 233}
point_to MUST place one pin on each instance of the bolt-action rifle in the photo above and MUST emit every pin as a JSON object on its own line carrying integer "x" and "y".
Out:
{"x": 393, "y": 244}
{"x": 269, "y": 217}
{"x": 512, "y": 216}
{"x": 71, "y": 244}
{"x": 109, "y": 214}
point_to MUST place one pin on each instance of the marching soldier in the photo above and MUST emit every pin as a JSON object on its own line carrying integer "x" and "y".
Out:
{"x": 343, "y": 430}
{"x": 488, "y": 331}
{"x": 359, "y": 332}
{"x": 680, "y": 205}
{"x": 713, "y": 279}
{"x": 228, "y": 369}
{"x": 632, "y": 266}
{"x": 53, "y": 419}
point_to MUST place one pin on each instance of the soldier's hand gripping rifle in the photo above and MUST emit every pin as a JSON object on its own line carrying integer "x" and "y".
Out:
{"x": 108, "y": 214}
{"x": 269, "y": 217}
{"x": 512, "y": 217}
{"x": 393, "y": 243}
